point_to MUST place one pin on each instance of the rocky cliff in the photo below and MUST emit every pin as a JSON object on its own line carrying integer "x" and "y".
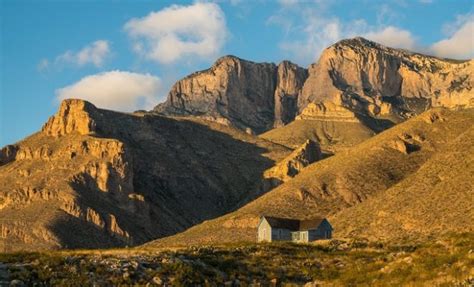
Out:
{"x": 251, "y": 96}
{"x": 364, "y": 77}
{"x": 96, "y": 178}
{"x": 379, "y": 81}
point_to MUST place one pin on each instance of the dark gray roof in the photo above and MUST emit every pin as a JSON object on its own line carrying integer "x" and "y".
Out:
{"x": 294, "y": 224}
{"x": 286, "y": 223}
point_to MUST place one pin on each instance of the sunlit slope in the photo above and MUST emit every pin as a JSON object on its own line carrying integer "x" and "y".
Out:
{"x": 350, "y": 178}
{"x": 438, "y": 198}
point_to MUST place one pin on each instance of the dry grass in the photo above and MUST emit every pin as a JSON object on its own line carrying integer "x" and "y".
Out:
{"x": 445, "y": 262}
{"x": 383, "y": 163}
{"x": 331, "y": 135}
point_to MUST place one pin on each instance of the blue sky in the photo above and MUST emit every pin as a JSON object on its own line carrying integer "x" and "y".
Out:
{"x": 125, "y": 55}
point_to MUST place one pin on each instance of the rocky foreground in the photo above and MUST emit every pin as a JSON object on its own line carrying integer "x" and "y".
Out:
{"x": 445, "y": 262}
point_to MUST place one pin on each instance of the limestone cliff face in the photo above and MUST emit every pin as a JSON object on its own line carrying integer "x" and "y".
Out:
{"x": 379, "y": 81}
{"x": 290, "y": 80}
{"x": 236, "y": 92}
{"x": 327, "y": 111}
{"x": 365, "y": 77}
{"x": 73, "y": 116}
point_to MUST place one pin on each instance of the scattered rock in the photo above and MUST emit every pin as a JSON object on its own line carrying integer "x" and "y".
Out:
{"x": 17, "y": 283}
{"x": 157, "y": 280}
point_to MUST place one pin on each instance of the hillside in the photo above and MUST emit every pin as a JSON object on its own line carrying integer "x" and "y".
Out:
{"x": 376, "y": 169}
{"x": 334, "y": 127}
{"x": 96, "y": 178}
{"x": 438, "y": 198}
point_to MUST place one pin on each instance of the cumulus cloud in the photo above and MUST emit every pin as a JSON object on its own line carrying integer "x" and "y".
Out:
{"x": 319, "y": 33}
{"x": 116, "y": 90}
{"x": 460, "y": 42}
{"x": 94, "y": 53}
{"x": 176, "y": 32}
{"x": 393, "y": 37}
{"x": 309, "y": 31}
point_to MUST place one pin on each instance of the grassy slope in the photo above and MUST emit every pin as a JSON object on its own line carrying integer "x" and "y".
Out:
{"x": 438, "y": 198}
{"x": 331, "y": 135}
{"x": 349, "y": 178}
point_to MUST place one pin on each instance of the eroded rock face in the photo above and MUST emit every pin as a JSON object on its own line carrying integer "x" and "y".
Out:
{"x": 290, "y": 80}
{"x": 240, "y": 93}
{"x": 73, "y": 116}
{"x": 327, "y": 111}
{"x": 286, "y": 169}
{"x": 8, "y": 154}
{"x": 360, "y": 75}
{"x": 379, "y": 81}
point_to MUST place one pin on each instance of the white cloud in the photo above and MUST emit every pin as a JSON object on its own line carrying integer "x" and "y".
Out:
{"x": 169, "y": 35}
{"x": 94, "y": 53}
{"x": 117, "y": 90}
{"x": 393, "y": 37}
{"x": 460, "y": 43}
{"x": 309, "y": 31}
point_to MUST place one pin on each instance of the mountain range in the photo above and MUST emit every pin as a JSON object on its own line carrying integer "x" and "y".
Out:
{"x": 374, "y": 138}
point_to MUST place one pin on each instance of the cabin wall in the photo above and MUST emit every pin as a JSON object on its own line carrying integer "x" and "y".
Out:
{"x": 324, "y": 231}
{"x": 280, "y": 234}
{"x": 264, "y": 232}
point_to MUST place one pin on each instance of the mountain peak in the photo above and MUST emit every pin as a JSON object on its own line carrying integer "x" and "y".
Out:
{"x": 360, "y": 42}
{"x": 74, "y": 115}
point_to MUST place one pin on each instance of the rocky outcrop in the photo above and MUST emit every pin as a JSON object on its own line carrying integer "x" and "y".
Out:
{"x": 290, "y": 166}
{"x": 233, "y": 91}
{"x": 8, "y": 154}
{"x": 379, "y": 81}
{"x": 73, "y": 116}
{"x": 327, "y": 111}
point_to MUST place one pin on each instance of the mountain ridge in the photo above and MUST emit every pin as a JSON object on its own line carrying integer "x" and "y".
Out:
{"x": 118, "y": 179}
{"x": 360, "y": 75}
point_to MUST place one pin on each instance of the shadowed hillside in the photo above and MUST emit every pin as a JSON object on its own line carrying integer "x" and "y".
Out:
{"x": 96, "y": 178}
{"x": 377, "y": 169}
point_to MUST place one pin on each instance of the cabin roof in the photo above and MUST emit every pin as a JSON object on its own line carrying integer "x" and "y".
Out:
{"x": 294, "y": 224}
